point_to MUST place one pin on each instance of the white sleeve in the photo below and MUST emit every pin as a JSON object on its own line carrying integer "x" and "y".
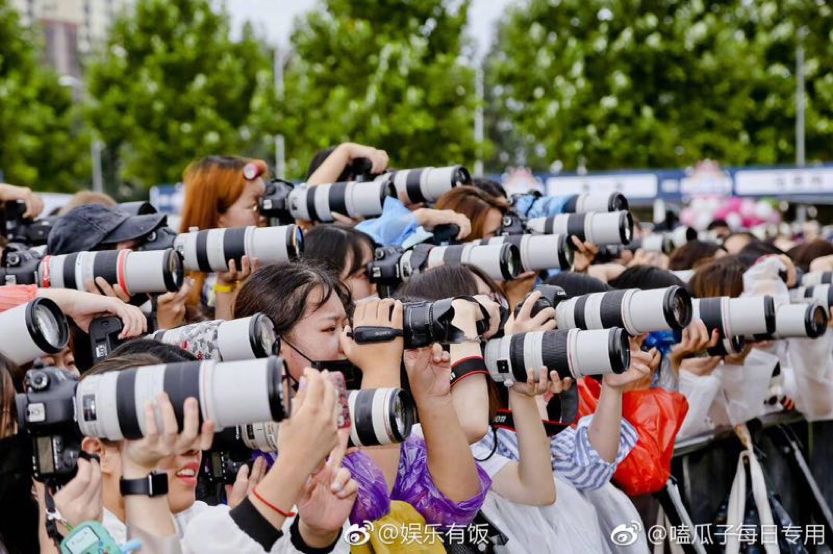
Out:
{"x": 212, "y": 530}
{"x": 700, "y": 391}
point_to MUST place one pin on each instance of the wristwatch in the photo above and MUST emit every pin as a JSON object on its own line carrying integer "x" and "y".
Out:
{"x": 155, "y": 484}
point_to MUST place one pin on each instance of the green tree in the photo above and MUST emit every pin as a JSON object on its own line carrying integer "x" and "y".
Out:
{"x": 40, "y": 141}
{"x": 172, "y": 86}
{"x": 660, "y": 83}
{"x": 382, "y": 72}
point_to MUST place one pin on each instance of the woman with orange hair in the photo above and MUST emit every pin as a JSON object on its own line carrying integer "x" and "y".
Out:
{"x": 221, "y": 192}
{"x": 483, "y": 210}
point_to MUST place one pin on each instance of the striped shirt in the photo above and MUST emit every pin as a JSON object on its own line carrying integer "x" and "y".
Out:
{"x": 573, "y": 457}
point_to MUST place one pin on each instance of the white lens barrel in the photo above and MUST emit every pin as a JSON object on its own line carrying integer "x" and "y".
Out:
{"x": 33, "y": 330}
{"x": 682, "y": 235}
{"x": 488, "y": 258}
{"x": 748, "y": 315}
{"x": 588, "y": 352}
{"x": 270, "y": 245}
{"x": 565, "y": 313}
{"x": 236, "y": 393}
{"x": 261, "y": 436}
{"x": 604, "y": 228}
{"x": 427, "y": 184}
{"x": 539, "y": 252}
{"x": 496, "y": 357}
{"x": 822, "y": 293}
{"x": 373, "y": 417}
{"x": 791, "y": 319}
{"x": 209, "y": 250}
{"x": 600, "y": 228}
{"x": 234, "y": 340}
{"x": 684, "y": 275}
{"x": 112, "y": 405}
{"x": 364, "y": 199}
{"x": 597, "y": 202}
{"x": 352, "y": 198}
{"x": 645, "y": 311}
{"x": 96, "y": 406}
{"x": 817, "y": 278}
{"x": 147, "y": 271}
{"x": 657, "y": 242}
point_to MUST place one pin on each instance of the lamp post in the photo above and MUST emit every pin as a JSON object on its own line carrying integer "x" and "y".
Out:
{"x": 280, "y": 144}
{"x": 97, "y": 146}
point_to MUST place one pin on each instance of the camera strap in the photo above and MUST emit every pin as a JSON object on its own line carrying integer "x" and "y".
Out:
{"x": 370, "y": 334}
{"x": 503, "y": 420}
{"x": 482, "y": 324}
{"x": 419, "y": 256}
{"x": 53, "y": 516}
{"x": 466, "y": 367}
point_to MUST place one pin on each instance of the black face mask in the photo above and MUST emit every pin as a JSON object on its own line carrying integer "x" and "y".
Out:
{"x": 352, "y": 373}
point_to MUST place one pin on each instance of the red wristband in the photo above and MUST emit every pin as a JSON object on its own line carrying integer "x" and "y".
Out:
{"x": 272, "y": 506}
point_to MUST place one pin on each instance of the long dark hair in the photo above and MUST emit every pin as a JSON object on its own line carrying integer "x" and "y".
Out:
{"x": 691, "y": 254}
{"x": 645, "y": 277}
{"x": 328, "y": 246}
{"x": 282, "y": 292}
{"x": 720, "y": 277}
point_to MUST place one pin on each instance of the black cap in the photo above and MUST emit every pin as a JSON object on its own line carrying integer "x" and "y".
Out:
{"x": 93, "y": 225}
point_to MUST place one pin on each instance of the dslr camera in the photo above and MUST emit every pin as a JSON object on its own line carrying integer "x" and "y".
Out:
{"x": 56, "y": 410}
{"x": 17, "y": 229}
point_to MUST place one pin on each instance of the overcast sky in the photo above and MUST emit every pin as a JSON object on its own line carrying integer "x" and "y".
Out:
{"x": 274, "y": 17}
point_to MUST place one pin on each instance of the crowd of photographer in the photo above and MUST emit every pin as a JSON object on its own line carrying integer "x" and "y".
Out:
{"x": 300, "y": 367}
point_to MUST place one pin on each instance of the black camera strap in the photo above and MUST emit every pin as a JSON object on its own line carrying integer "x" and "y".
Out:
{"x": 53, "y": 516}
{"x": 482, "y": 325}
{"x": 503, "y": 420}
{"x": 419, "y": 256}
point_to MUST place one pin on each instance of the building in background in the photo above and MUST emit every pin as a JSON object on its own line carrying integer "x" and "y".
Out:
{"x": 71, "y": 28}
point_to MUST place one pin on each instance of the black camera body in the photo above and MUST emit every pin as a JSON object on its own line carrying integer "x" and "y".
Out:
{"x": 160, "y": 238}
{"x": 104, "y": 337}
{"x": 275, "y": 201}
{"x": 513, "y": 224}
{"x": 551, "y": 296}
{"x": 19, "y": 265}
{"x": 386, "y": 269}
{"x": 16, "y": 228}
{"x": 46, "y": 413}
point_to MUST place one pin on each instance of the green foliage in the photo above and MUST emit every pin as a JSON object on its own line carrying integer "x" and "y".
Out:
{"x": 658, "y": 83}
{"x": 40, "y": 144}
{"x": 381, "y": 72}
{"x": 172, "y": 86}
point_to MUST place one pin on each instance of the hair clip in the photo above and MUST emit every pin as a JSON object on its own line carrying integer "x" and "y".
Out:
{"x": 252, "y": 171}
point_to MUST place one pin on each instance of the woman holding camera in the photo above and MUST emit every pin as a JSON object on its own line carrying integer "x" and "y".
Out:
{"x": 345, "y": 252}
{"x": 310, "y": 310}
{"x": 323, "y": 493}
{"x": 580, "y": 459}
{"x": 222, "y": 192}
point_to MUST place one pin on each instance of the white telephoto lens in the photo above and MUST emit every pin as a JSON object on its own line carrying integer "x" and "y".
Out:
{"x": 97, "y": 406}
{"x": 33, "y": 330}
{"x": 237, "y": 393}
{"x": 750, "y": 316}
{"x": 817, "y": 278}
